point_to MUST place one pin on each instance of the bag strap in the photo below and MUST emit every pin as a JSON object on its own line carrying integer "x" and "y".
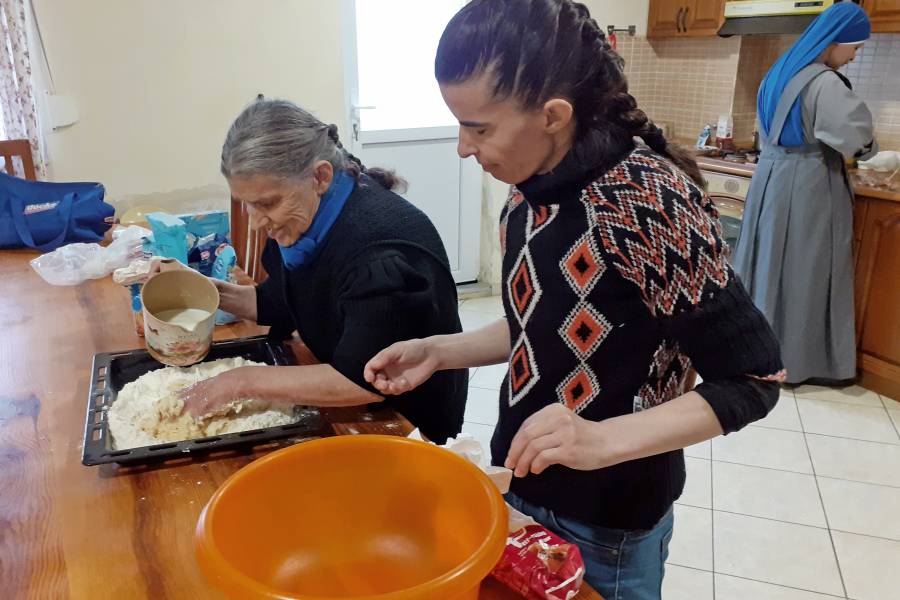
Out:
{"x": 18, "y": 216}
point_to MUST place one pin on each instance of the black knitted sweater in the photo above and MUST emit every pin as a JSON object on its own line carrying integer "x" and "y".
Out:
{"x": 382, "y": 276}
{"x": 616, "y": 283}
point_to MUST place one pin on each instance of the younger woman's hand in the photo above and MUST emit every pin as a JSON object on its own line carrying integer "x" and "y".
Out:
{"x": 401, "y": 367}
{"x": 557, "y": 436}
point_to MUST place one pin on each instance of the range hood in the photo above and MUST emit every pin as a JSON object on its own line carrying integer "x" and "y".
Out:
{"x": 748, "y": 17}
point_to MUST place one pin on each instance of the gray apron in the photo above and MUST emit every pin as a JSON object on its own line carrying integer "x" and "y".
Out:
{"x": 794, "y": 254}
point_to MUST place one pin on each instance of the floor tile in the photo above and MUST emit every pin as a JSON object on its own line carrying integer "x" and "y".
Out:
{"x": 869, "y": 462}
{"x": 890, "y": 403}
{"x": 482, "y": 406}
{"x": 870, "y": 423}
{"x": 861, "y": 507}
{"x": 736, "y": 588}
{"x": 489, "y": 304}
{"x": 472, "y": 372}
{"x": 697, "y": 488}
{"x": 491, "y": 376}
{"x": 473, "y": 319}
{"x": 760, "y": 447}
{"x": 780, "y": 553}
{"x": 691, "y": 544}
{"x": 701, "y": 450}
{"x": 869, "y": 566}
{"x": 681, "y": 583}
{"x": 783, "y": 416}
{"x": 895, "y": 417}
{"x": 849, "y": 395}
{"x": 767, "y": 493}
{"x": 482, "y": 433}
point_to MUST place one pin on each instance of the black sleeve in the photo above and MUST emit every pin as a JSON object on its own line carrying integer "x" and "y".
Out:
{"x": 382, "y": 300}
{"x": 270, "y": 306}
{"x": 735, "y": 352}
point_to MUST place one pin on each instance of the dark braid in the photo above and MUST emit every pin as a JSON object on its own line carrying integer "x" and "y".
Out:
{"x": 611, "y": 89}
{"x": 541, "y": 49}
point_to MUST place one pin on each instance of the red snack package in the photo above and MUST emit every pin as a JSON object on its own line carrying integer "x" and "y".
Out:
{"x": 540, "y": 565}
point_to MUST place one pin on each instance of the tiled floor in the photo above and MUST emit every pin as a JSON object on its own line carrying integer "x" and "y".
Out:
{"x": 804, "y": 505}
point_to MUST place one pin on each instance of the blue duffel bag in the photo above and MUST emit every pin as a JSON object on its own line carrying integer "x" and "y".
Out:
{"x": 44, "y": 216}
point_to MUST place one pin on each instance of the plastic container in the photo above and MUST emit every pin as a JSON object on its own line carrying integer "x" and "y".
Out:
{"x": 364, "y": 517}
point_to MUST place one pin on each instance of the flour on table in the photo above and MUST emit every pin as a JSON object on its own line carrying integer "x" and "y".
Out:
{"x": 147, "y": 411}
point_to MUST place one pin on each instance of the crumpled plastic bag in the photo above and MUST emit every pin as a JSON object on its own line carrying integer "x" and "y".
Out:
{"x": 536, "y": 564}
{"x": 76, "y": 263}
{"x": 884, "y": 161}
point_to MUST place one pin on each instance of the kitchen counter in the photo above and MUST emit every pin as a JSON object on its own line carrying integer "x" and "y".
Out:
{"x": 858, "y": 177}
{"x": 70, "y": 531}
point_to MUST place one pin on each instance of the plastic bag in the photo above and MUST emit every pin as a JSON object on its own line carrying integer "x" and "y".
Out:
{"x": 884, "y": 161}
{"x": 76, "y": 263}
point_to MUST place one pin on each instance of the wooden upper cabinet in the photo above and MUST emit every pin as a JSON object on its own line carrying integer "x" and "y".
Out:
{"x": 665, "y": 18}
{"x": 704, "y": 17}
{"x": 685, "y": 18}
{"x": 885, "y": 15}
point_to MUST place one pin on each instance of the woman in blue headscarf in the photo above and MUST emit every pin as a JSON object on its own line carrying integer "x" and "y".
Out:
{"x": 794, "y": 253}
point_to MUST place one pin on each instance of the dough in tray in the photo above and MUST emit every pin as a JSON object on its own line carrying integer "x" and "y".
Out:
{"x": 147, "y": 411}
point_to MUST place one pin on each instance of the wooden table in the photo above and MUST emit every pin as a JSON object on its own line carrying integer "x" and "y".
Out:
{"x": 70, "y": 531}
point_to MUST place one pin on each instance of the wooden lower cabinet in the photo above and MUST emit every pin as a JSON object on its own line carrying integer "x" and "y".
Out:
{"x": 877, "y": 293}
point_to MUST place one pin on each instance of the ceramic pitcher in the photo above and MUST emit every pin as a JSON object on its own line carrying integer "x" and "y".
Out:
{"x": 172, "y": 290}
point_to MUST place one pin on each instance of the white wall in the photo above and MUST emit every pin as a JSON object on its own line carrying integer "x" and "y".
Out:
{"x": 158, "y": 82}
{"x": 620, "y": 13}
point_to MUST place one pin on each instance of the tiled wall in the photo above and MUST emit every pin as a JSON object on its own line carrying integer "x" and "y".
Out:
{"x": 689, "y": 83}
{"x": 758, "y": 53}
{"x": 876, "y": 78}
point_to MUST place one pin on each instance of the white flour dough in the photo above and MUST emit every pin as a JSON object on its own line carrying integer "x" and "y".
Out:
{"x": 147, "y": 411}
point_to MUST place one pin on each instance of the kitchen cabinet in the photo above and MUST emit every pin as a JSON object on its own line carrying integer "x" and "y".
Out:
{"x": 665, "y": 18}
{"x": 884, "y": 14}
{"x": 685, "y": 18}
{"x": 877, "y": 293}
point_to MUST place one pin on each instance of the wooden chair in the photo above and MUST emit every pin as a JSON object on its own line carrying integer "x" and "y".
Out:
{"x": 21, "y": 148}
{"x": 248, "y": 244}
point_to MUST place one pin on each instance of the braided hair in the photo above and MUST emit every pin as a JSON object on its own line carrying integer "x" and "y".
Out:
{"x": 535, "y": 50}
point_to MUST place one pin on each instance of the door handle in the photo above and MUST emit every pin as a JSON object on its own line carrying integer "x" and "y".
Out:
{"x": 678, "y": 20}
{"x": 354, "y": 118}
{"x": 684, "y": 19}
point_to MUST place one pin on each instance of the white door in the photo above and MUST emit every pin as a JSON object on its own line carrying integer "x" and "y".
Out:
{"x": 399, "y": 119}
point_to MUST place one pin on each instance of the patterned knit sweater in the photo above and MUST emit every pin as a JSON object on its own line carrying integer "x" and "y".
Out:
{"x": 615, "y": 285}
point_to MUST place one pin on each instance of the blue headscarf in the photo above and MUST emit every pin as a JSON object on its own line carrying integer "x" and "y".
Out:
{"x": 306, "y": 249}
{"x": 842, "y": 23}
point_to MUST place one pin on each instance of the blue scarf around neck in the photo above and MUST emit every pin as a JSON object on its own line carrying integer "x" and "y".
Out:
{"x": 305, "y": 249}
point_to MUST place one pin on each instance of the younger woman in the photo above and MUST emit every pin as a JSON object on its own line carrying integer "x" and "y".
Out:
{"x": 614, "y": 285}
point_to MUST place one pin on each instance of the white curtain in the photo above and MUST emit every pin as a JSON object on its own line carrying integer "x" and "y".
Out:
{"x": 17, "y": 102}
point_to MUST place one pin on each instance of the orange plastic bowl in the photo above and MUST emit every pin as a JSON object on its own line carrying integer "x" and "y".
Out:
{"x": 366, "y": 517}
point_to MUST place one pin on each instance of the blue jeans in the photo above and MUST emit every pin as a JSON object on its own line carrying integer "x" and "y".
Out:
{"x": 620, "y": 564}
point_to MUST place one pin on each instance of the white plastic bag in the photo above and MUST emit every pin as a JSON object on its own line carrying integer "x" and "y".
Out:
{"x": 76, "y": 263}
{"x": 884, "y": 162}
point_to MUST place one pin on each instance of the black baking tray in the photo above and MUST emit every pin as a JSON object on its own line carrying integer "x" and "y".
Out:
{"x": 112, "y": 370}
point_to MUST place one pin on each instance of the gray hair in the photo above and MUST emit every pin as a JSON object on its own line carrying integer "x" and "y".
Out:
{"x": 277, "y": 137}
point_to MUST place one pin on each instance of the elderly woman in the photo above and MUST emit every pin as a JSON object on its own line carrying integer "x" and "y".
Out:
{"x": 352, "y": 266}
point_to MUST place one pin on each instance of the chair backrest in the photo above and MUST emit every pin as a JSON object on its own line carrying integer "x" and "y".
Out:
{"x": 248, "y": 244}
{"x": 22, "y": 149}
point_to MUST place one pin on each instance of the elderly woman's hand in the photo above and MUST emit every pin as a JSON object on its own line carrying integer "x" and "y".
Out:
{"x": 210, "y": 395}
{"x": 239, "y": 300}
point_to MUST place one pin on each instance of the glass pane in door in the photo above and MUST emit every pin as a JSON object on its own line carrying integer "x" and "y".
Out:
{"x": 396, "y": 41}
